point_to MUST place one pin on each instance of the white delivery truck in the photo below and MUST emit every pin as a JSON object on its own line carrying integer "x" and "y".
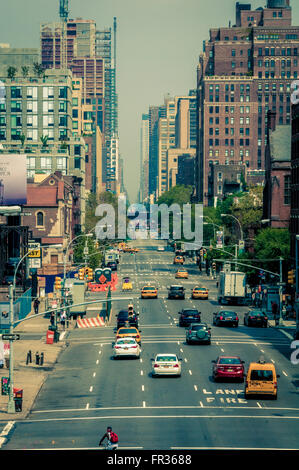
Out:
{"x": 232, "y": 288}
{"x": 77, "y": 292}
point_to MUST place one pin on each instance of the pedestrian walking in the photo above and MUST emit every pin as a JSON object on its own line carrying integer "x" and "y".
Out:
{"x": 52, "y": 318}
{"x": 274, "y": 308}
{"x": 36, "y": 305}
{"x": 62, "y": 319}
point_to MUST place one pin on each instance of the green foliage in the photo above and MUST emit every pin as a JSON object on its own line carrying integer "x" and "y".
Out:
{"x": 11, "y": 72}
{"x": 272, "y": 243}
{"x": 94, "y": 257}
{"x": 179, "y": 194}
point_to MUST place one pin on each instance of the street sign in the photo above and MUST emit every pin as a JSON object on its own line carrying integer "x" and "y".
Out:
{"x": 34, "y": 250}
{"x": 282, "y": 284}
{"x": 10, "y": 337}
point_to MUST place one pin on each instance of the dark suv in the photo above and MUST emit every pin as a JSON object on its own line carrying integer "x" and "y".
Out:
{"x": 124, "y": 319}
{"x": 176, "y": 292}
{"x": 188, "y": 316}
{"x": 112, "y": 265}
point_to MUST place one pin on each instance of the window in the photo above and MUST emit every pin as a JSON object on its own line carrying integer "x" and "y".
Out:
{"x": 46, "y": 163}
{"x": 287, "y": 189}
{"x": 40, "y": 219}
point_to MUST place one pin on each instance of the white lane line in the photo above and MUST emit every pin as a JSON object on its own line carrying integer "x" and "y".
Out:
{"x": 181, "y": 350}
{"x": 141, "y": 372}
{"x": 273, "y": 361}
{"x": 195, "y": 388}
{"x": 258, "y": 404}
{"x": 201, "y": 404}
{"x": 284, "y": 373}
{"x": 190, "y": 372}
{"x": 91, "y": 389}
{"x": 186, "y": 360}
{"x": 262, "y": 350}
{"x": 87, "y": 406}
{"x": 222, "y": 350}
{"x": 97, "y": 361}
{"x": 142, "y": 388}
{"x": 141, "y": 359}
{"x": 143, "y": 404}
{"x": 94, "y": 374}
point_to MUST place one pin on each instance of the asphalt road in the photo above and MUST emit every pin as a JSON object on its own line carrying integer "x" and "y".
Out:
{"x": 88, "y": 390}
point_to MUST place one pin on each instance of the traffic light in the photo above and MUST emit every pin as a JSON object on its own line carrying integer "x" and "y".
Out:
{"x": 57, "y": 283}
{"x": 89, "y": 274}
{"x": 214, "y": 266}
{"x": 81, "y": 274}
{"x": 291, "y": 277}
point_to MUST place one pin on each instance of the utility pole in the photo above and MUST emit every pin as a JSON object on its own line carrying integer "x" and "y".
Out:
{"x": 11, "y": 403}
{"x": 280, "y": 291}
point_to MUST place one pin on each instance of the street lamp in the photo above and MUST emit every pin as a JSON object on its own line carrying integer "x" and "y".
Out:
{"x": 65, "y": 256}
{"x": 12, "y": 288}
{"x": 235, "y": 218}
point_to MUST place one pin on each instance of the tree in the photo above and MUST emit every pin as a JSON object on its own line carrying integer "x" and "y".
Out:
{"x": 11, "y": 72}
{"x": 178, "y": 194}
{"x": 38, "y": 69}
{"x": 25, "y": 71}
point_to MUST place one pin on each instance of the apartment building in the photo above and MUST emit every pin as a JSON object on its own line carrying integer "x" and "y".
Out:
{"x": 144, "y": 159}
{"x": 36, "y": 119}
{"x": 244, "y": 71}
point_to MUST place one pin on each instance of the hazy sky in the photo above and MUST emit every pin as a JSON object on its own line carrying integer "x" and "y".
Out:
{"x": 158, "y": 44}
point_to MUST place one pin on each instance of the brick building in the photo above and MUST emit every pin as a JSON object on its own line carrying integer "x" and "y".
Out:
{"x": 244, "y": 71}
{"x": 277, "y": 191}
{"x": 53, "y": 214}
{"x": 294, "y": 218}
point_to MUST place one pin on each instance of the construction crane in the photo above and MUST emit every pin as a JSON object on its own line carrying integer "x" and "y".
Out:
{"x": 64, "y": 9}
{"x": 64, "y": 13}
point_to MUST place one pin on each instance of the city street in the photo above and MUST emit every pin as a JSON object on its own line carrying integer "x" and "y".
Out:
{"x": 89, "y": 390}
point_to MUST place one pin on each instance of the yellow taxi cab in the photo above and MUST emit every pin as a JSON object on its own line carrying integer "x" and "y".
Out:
{"x": 200, "y": 293}
{"x": 129, "y": 332}
{"x": 181, "y": 273}
{"x": 261, "y": 379}
{"x": 127, "y": 284}
{"x": 178, "y": 260}
{"x": 149, "y": 292}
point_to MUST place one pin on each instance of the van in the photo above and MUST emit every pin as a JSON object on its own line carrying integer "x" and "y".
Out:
{"x": 261, "y": 379}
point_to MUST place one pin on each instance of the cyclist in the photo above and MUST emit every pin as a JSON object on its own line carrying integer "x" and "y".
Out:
{"x": 112, "y": 439}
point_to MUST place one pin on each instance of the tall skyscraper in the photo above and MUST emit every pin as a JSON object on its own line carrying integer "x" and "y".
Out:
{"x": 244, "y": 71}
{"x": 144, "y": 159}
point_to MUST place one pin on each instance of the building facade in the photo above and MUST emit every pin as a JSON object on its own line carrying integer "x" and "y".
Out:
{"x": 244, "y": 71}
{"x": 277, "y": 191}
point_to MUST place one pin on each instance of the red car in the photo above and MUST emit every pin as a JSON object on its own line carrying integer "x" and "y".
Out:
{"x": 228, "y": 367}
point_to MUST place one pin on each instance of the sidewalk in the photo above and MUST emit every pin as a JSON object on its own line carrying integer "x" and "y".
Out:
{"x": 31, "y": 377}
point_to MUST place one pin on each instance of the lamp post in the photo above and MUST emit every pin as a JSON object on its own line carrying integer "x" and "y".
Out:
{"x": 65, "y": 258}
{"x": 239, "y": 223}
{"x": 12, "y": 288}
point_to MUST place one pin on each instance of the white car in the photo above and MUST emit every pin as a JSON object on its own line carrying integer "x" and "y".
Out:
{"x": 161, "y": 248}
{"x": 166, "y": 364}
{"x": 126, "y": 347}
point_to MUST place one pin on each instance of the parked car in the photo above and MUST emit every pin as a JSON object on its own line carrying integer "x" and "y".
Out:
{"x": 166, "y": 364}
{"x": 225, "y": 317}
{"x": 178, "y": 260}
{"x": 256, "y": 318}
{"x": 176, "y": 292}
{"x": 198, "y": 333}
{"x": 229, "y": 367}
{"x": 189, "y": 315}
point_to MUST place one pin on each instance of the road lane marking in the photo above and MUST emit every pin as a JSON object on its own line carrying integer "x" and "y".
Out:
{"x": 91, "y": 389}
{"x": 222, "y": 350}
{"x": 190, "y": 372}
{"x": 97, "y": 361}
{"x": 141, "y": 372}
{"x": 143, "y": 404}
{"x": 273, "y": 361}
{"x": 142, "y": 388}
{"x": 258, "y": 404}
{"x": 195, "y": 388}
{"x": 87, "y": 406}
{"x": 94, "y": 374}
{"x": 284, "y": 373}
{"x": 186, "y": 360}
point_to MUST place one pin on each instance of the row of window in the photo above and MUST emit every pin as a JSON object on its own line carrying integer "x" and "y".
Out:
{"x": 31, "y": 92}
{"x": 282, "y": 74}
{"x": 229, "y": 142}
{"x": 231, "y": 120}
{"x": 283, "y": 51}
{"x": 230, "y": 131}
{"x": 216, "y": 109}
{"x": 231, "y": 152}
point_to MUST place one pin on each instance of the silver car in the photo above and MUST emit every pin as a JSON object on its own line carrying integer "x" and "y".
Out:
{"x": 126, "y": 347}
{"x": 166, "y": 364}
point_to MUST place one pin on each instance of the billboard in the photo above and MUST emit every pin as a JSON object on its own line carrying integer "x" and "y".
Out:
{"x": 13, "y": 179}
